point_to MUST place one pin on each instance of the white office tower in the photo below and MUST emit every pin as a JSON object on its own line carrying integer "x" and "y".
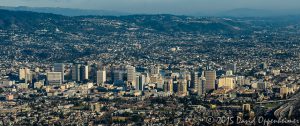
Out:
{"x": 54, "y": 78}
{"x": 101, "y": 77}
{"x": 84, "y": 72}
{"x": 234, "y": 68}
{"x": 60, "y": 67}
{"x": 142, "y": 82}
{"x": 131, "y": 75}
{"x": 201, "y": 87}
{"x": 76, "y": 72}
{"x": 28, "y": 77}
{"x": 23, "y": 72}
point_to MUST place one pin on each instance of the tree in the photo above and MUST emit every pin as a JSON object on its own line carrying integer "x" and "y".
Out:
{"x": 1, "y": 90}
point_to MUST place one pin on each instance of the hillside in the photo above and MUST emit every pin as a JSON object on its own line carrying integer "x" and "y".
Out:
{"x": 64, "y": 11}
{"x": 50, "y": 37}
{"x": 30, "y": 21}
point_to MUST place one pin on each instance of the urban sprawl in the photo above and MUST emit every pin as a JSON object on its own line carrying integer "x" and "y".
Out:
{"x": 141, "y": 77}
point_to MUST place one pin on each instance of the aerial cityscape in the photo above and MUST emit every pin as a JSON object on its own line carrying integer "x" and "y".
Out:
{"x": 61, "y": 66}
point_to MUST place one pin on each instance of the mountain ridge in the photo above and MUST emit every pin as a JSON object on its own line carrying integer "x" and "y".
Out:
{"x": 237, "y": 12}
{"x": 157, "y": 23}
{"x": 248, "y": 12}
{"x": 65, "y": 11}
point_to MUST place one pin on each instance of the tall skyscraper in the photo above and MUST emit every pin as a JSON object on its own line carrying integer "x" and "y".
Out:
{"x": 137, "y": 80}
{"x": 168, "y": 84}
{"x": 54, "y": 78}
{"x": 194, "y": 80}
{"x": 23, "y": 72}
{"x": 131, "y": 75}
{"x": 84, "y": 72}
{"x": 60, "y": 67}
{"x": 93, "y": 72}
{"x": 28, "y": 77}
{"x": 140, "y": 82}
{"x": 201, "y": 85}
{"x": 76, "y": 72}
{"x": 182, "y": 86}
{"x": 234, "y": 68}
{"x": 160, "y": 82}
{"x": 101, "y": 77}
{"x": 210, "y": 83}
{"x": 118, "y": 75}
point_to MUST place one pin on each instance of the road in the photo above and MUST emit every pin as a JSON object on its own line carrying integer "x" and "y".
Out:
{"x": 286, "y": 110}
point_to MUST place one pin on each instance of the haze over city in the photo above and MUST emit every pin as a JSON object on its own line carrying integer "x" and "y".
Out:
{"x": 162, "y": 6}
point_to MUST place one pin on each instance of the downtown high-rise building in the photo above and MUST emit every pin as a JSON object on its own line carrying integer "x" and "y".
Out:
{"x": 168, "y": 84}
{"x": 84, "y": 72}
{"x": 23, "y": 72}
{"x": 28, "y": 77}
{"x": 201, "y": 86}
{"x": 140, "y": 82}
{"x": 234, "y": 68}
{"x": 131, "y": 75}
{"x": 182, "y": 86}
{"x": 54, "y": 78}
{"x": 76, "y": 72}
{"x": 210, "y": 83}
{"x": 118, "y": 76}
{"x": 101, "y": 77}
{"x": 60, "y": 67}
{"x": 194, "y": 80}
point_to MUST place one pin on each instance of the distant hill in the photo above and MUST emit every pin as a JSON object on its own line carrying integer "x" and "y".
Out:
{"x": 31, "y": 21}
{"x": 28, "y": 20}
{"x": 65, "y": 11}
{"x": 247, "y": 12}
{"x": 33, "y": 36}
{"x": 238, "y": 12}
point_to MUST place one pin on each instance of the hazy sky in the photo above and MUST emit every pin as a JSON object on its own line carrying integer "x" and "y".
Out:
{"x": 159, "y": 6}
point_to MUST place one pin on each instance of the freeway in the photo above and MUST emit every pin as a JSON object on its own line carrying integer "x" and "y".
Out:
{"x": 286, "y": 110}
{"x": 276, "y": 101}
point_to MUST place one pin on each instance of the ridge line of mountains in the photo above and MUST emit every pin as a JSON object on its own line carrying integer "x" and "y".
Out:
{"x": 28, "y": 21}
{"x": 41, "y": 34}
{"x": 238, "y": 12}
{"x": 162, "y": 23}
